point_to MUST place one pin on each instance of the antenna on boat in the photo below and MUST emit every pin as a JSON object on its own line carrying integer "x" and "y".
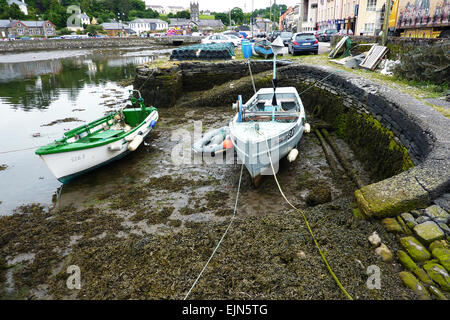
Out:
{"x": 277, "y": 46}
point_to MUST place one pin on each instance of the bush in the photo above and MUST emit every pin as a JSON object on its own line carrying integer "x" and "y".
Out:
{"x": 426, "y": 64}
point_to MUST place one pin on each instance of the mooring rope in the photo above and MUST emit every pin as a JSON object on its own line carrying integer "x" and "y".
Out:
{"x": 251, "y": 75}
{"x": 17, "y": 150}
{"x": 307, "y": 225}
{"x": 319, "y": 81}
{"x": 221, "y": 239}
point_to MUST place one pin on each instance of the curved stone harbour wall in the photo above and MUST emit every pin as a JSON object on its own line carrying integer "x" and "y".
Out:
{"x": 421, "y": 130}
{"x": 162, "y": 86}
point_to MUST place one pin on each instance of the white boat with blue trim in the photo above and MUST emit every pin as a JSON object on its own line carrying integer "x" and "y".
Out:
{"x": 272, "y": 123}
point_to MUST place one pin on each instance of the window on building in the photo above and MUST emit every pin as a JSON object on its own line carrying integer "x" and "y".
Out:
{"x": 371, "y": 5}
{"x": 369, "y": 28}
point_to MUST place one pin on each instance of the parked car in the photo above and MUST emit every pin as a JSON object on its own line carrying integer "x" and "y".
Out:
{"x": 303, "y": 42}
{"x": 286, "y": 37}
{"x": 318, "y": 33}
{"x": 234, "y": 33}
{"x": 327, "y": 34}
{"x": 220, "y": 38}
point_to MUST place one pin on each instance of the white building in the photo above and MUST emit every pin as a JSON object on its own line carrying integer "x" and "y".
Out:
{"x": 84, "y": 18}
{"x": 155, "y": 7}
{"x": 174, "y": 9}
{"x": 307, "y": 21}
{"x": 22, "y": 5}
{"x": 145, "y": 25}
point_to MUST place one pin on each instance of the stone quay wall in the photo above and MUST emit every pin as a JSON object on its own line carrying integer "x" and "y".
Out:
{"x": 91, "y": 43}
{"x": 396, "y": 45}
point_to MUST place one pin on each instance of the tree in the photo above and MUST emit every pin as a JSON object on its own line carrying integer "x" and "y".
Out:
{"x": 183, "y": 14}
{"x": 222, "y": 17}
{"x": 4, "y": 8}
{"x": 237, "y": 15}
{"x": 14, "y": 12}
{"x": 94, "y": 29}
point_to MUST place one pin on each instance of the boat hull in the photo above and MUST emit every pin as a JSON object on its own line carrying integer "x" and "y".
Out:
{"x": 66, "y": 166}
{"x": 261, "y": 51}
{"x": 254, "y": 154}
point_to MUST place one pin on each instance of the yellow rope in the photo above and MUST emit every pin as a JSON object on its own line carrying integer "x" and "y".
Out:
{"x": 307, "y": 225}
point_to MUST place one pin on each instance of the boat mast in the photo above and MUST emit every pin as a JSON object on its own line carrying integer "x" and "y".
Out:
{"x": 277, "y": 46}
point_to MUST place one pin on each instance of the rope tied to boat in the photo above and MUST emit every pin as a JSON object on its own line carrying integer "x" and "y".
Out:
{"x": 307, "y": 224}
{"x": 221, "y": 239}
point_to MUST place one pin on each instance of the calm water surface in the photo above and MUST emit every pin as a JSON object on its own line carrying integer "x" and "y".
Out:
{"x": 41, "y": 87}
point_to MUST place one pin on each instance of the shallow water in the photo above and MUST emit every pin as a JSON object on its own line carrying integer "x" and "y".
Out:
{"x": 37, "y": 88}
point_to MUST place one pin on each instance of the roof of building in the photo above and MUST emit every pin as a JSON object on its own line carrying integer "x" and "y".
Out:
{"x": 179, "y": 21}
{"x": 10, "y": 23}
{"x": 19, "y": 3}
{"x": 6, "y": 23}
{"x": 114, "y": 26}
{"x": 83, "y": 16}
{"x": 209, "y": 23}
{"x": 140, "y": 20}
{"x": 34, "y": 23}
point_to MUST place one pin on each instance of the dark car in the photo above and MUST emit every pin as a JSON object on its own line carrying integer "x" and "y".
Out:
{"x": 274, "y": 35}
{"x": 304, "y": 42}
{"x": 327, "y": 34}
{"x": 286, "y": 37}
{"x": 234, "y": 33}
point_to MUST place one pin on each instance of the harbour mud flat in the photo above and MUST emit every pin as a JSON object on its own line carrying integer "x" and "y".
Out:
{"x": 147, "y": 231}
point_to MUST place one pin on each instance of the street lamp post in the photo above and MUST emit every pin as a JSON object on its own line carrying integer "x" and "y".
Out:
{"x": 299, "y": 20}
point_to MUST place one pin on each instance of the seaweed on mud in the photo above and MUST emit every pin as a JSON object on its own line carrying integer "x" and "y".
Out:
{"x": 174, "y": 223}
{"x": 216, "y": 198}
{"x": 175, "y": 183}
{"x": 48, "y": 236}
{"x": 319, "y": 194}
{"x": 153, "y": 216}
{"x": 185, "y": 211}
{"x": 264, "y": 257}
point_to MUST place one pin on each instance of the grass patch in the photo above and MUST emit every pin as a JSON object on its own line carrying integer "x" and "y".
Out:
{"x": 418, "y": 90}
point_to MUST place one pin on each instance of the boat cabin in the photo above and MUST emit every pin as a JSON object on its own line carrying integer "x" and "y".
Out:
{"x": 260, "y": 107}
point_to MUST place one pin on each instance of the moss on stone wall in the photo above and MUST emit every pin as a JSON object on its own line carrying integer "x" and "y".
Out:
{"x": 374, "y": 145}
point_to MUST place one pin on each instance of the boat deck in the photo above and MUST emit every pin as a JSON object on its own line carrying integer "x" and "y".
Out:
{"x": 267, "y": 129}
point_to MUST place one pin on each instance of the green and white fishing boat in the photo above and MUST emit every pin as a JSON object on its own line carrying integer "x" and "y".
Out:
{"x": 102, "y": 141}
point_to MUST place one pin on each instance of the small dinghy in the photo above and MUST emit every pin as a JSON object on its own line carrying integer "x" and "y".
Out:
{"x": 263, "y": 48}
{"x": 213, "y": 142}
{"x": 271, "y": 122}
{"x": 102, "y": 141}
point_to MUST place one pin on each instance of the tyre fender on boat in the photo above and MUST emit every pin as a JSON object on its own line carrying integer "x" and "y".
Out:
{"x": 135, "y": 143}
